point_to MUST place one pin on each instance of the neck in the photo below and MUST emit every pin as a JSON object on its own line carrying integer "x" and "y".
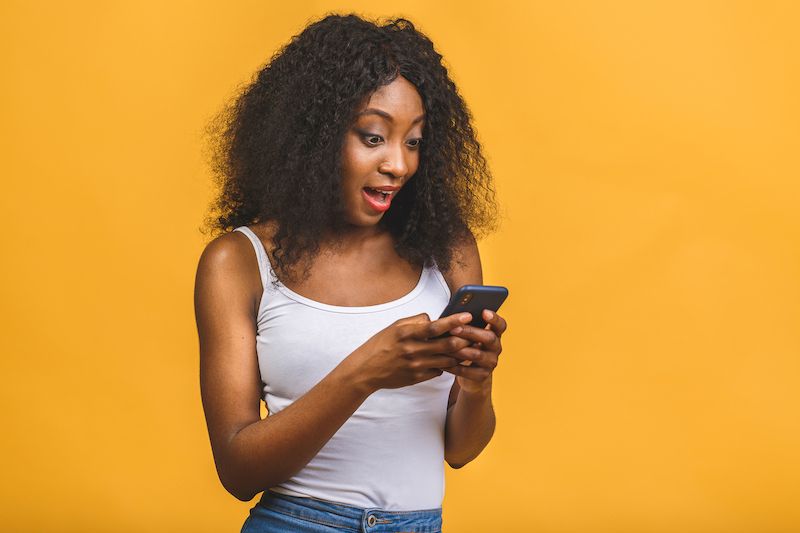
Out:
{"x": 353, "y": 238}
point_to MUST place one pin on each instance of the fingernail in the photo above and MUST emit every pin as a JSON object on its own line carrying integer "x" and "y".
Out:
{"x": 488, "y": 314}
{"x": 466, "y": 317}
{"x": 456, "y": 330}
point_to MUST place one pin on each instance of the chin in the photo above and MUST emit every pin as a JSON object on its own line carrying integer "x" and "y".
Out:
{"x": 363, "y": 220}
{"x": 366, "y": 221}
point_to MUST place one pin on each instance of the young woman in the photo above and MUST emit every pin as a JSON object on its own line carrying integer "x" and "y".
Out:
{"x": 355, "y": 188}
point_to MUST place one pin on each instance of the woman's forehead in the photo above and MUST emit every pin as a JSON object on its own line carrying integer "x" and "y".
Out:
{"x": 398, "y": 98}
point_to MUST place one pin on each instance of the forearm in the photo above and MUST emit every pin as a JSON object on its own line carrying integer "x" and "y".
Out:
{"x": 469, "y": 426}
{"x": 266, "y": 453}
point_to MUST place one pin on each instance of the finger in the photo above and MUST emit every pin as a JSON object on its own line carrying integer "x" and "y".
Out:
{"x": 428, "y": 373}
{"x": 475, "y": 356}
{"x": 476, "y": 373}
{"x": 445, "y": 345}
{"x": 448, "y": 344}
{"x": 436, "y": 361}
{"x": 485, "y": 336}
{"x": 494, "y": 321}
{"x": 441, "y": 325}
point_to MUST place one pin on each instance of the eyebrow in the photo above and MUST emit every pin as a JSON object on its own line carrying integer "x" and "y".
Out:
{"x": 384, "y": 114}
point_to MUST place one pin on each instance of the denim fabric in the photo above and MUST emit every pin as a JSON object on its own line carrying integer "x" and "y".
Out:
{"x": 280, "y": 512}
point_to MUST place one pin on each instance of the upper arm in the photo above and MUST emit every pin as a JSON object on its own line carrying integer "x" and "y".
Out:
{"x": 465, "y": 269}
{"x": 225, "y": 298}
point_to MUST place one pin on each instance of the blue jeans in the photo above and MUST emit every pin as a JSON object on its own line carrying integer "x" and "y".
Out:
{"x": 280, "y": 512}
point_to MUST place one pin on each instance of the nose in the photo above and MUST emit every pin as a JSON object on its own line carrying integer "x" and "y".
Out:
{"x": 395, "y": 163}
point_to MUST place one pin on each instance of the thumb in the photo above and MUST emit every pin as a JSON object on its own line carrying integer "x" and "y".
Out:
{"x": 421, "y": 318}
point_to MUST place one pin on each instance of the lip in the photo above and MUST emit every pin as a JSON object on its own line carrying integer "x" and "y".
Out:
{"x": 380, "y": 208}
{"x": 384, "y": 188}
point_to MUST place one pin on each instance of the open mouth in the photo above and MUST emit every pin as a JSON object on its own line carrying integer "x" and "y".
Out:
{"x": 378, "y": 196}
{"x": 378, "y": 200}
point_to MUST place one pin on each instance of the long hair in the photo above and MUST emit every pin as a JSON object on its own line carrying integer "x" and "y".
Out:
{"x": 275, "y": 148}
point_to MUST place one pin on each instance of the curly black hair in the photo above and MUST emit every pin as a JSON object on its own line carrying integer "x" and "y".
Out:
{"x": 275, "y": 147}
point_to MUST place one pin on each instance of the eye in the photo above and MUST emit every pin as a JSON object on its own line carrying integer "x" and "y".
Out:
{"x": 370, "y": 137}
{"x": 414, "y": 143}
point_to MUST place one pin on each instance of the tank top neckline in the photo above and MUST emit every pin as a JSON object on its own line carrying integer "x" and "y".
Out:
{"x": 420, "y": 286}
{"x": 299, "y": 298}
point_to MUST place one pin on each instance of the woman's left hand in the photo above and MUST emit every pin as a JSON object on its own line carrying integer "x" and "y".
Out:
{"x": 482, "y": 356}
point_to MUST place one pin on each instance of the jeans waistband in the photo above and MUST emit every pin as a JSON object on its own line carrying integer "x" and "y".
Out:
{"x": 371, "y": 520}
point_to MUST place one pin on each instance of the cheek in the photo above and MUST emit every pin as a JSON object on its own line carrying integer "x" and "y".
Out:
{"x": 413, "y": 164}
{"x": 349, "y": 172}
{"x": 355, "y": 162}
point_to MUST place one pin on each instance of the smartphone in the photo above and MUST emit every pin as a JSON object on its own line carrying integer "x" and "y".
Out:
{"x": 474, "y": 299}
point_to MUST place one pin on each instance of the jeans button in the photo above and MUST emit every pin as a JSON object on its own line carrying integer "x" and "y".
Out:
{"x": 371, "y": 520}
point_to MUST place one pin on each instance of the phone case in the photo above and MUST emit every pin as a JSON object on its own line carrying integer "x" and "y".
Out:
{"x": 474, "y": 299}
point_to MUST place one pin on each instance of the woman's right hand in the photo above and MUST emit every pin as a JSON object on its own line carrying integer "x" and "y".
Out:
{"x": 405, "y": 352}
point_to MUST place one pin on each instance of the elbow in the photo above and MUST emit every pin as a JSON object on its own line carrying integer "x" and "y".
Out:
{"x": 235, "y": 483}
{"x": 238, "y": 490}
{"x": 457, "y": 462}
{"x": 234, "y": 474}
{"x": 242, "y": 479}
{"x": 244, "y": 496}
{"x": 243, "y": 483}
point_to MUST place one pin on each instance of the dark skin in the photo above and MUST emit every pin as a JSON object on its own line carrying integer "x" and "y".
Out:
{"x": 359, "y": 268}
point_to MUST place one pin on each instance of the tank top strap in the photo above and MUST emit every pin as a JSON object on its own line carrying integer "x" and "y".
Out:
{"x": 439, "y": 276}
{"x": 264, "y": 267}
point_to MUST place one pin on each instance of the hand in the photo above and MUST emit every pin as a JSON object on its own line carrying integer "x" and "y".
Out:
{"x": 405, "y": 353}
{"x": 482, "y": 356}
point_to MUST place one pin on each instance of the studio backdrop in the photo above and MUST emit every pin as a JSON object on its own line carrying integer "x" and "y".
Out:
{"x": 646, "y": 161}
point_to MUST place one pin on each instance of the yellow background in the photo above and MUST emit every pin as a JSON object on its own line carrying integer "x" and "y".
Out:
{"x": 646, "y": 157}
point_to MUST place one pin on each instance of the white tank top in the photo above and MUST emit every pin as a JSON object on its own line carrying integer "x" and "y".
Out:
{"x": 390, "y": 452}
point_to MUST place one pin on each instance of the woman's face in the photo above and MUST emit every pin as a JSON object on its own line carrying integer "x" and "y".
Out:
{"x": 381, "y": 151}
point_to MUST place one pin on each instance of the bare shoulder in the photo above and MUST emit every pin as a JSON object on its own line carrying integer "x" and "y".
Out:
{"x": 465, "y": 268}
{"x": 229, "y": 261}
